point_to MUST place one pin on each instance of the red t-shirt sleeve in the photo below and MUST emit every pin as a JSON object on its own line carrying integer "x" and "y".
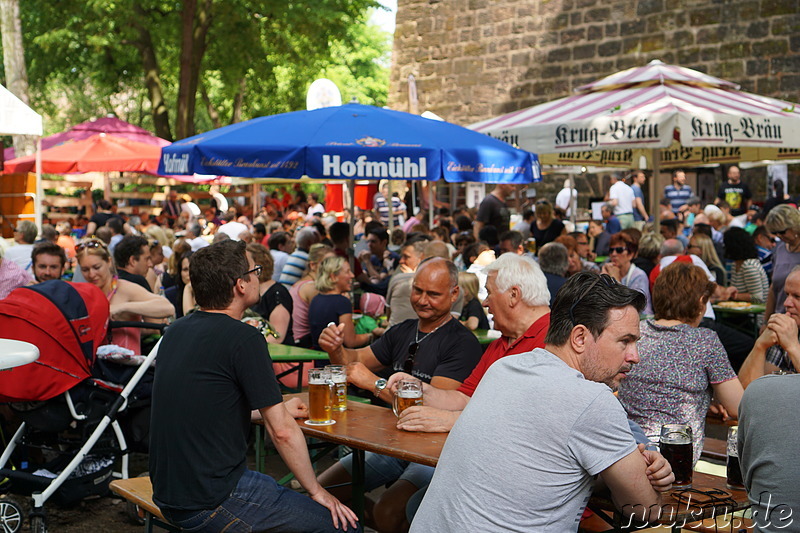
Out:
{"x": 490, "y": 356}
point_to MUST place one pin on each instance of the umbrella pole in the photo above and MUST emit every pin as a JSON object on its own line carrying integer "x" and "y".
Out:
{"x": 37, "y": 204}
{"x": 351, "y": 188}
{"x": 256, "y": 188}
{"x": 431, "y": 185}
{"x": 654, "y": 205}
{"x": 573, "y": 203}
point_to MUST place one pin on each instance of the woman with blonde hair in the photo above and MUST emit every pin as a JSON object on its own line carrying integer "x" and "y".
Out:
{"x": 472, "y": 315}
{"x": 545, "y": 228}
{"x": 127, "y": 301}
{"x": 702, "y": 246}
{"x": 304, "y": 290}
{"x": 783, "y": 221}
{"x": 334, "y": 282}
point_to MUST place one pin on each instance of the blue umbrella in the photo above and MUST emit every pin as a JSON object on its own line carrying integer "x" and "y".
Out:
{"x": 350, "y": 142}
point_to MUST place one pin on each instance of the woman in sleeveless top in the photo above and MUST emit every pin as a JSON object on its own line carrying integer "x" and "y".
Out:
{"x": 127, "y": 301}
{"x": 304, "y": 291}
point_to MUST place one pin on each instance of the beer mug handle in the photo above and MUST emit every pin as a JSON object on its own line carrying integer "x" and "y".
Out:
{"x": 394, "y": 405}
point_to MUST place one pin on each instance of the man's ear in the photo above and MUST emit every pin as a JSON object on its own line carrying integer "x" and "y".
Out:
{"x": 578, "y": 338}
{"x": 454, "y": 295}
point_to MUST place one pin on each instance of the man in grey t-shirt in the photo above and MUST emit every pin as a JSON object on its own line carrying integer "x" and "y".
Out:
{"x": 541, "y": 425}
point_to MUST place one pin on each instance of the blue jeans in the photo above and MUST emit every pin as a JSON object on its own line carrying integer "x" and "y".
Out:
{"x": 258, "y": 503}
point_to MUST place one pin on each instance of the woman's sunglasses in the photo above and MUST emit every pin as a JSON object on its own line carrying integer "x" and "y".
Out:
{"x": 89, "y": 244}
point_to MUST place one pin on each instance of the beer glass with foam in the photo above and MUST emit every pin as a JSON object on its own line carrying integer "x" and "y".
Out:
{"x": 408, "y": 393}
{"x": 319, "y": 397}
{"x": 676, "y": 447}
{"x": 339, "y": 388}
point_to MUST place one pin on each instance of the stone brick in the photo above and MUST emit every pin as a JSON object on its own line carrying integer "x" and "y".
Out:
{"x": 521, "y": 91}
{"x": 786, "y": 64}
{"x": 702, "y": 17}
{"x": 594, "y": 33}
{"x": 709, "y": 53}
{"x": 794, "y": 43}
{"x": 682, "y": 38}
{"x": 561, "y": 21}
{"x": 612, "y": 30}
{"x": 786, "y": 25}
{"x": 757, "y": 67}
{"x": 521, "y": 59}
{"x": 609, "y": 48}
{"x": 575, "y": 18}
{"x": 467, "y": 66}
{"x": 688, "y": 55}
{"x": 731, "y": 70}
{"x": 633, "y": 27}
{"x": 551, "y": 71}
{"x": 771, "y": 8}
{"x": 585, "y": 3}
{"x": 597, "y": 15}
{"x": 790, "y": 84}
{"x": 652, "y": 42}
{"x": 478, "y": 4}
{"x": 625, "y": 62}
{"x": 734, "y": 50}
{"x": 768, "y": 85}
{"x": 770, "y": 48}
{"x": 748, "y": 85}
{"x": 748, "y": 10}
{"x": 585, "y": 51}
{"x": 648, "y": 7}
{"x": 758, "y": 29}
{"x": 709, "y": 35}
{"x": 496, "y": 62}
{"x": 548, "y": 38}
{"x": 571, "y": 36}
{"x": 559, "y": 54}
{"x": 631, "y": 45}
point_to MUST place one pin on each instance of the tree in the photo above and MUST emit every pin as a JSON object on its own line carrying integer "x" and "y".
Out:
{"x": 14, "y": 66}
{"x": 243, "y": 58}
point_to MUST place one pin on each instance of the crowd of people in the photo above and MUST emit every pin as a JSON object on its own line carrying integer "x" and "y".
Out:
{"x": 623, "y": 306}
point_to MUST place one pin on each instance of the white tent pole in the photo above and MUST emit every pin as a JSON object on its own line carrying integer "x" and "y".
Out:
{"x": 37, "y": 204}
{"x": 431, "y": 185}
{"x": 573, "y": 201}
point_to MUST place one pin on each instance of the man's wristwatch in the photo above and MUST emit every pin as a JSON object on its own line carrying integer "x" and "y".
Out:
{"x": 380, "y": 384}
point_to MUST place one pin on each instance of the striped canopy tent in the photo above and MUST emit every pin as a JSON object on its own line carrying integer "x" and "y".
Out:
{"x": 656, "y": 116}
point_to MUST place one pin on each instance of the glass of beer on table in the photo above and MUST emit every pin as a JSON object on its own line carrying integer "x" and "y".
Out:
{"x": 339, "y": 391}
{"x": 734, "y": 480}
{"x": 319, "y": 397}
{"x": 408, "y": 393}
{"x": 676, "y": 447}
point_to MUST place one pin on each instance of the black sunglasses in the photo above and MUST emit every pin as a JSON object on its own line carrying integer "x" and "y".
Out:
{"x": 608, "y": 280}
{"x": 256, "y": 269}
{"x": 781, "y": 232}
{"x": 408, "y": 364}
{"x": 89, "y": 244}
{"x": 617, "y": 249}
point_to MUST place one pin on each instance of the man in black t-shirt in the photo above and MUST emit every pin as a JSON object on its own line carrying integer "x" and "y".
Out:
{"x": 493, "y": 210}
{"x": 212, "y": 371}
{"x": 735, "y": 192}
{"x": 436, "y": 349}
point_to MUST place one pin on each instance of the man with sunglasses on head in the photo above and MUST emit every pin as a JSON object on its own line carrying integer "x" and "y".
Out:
{"x": 541, "y": 425}
{"x": 212, "y": 370}
{"x": 434, "y": 348}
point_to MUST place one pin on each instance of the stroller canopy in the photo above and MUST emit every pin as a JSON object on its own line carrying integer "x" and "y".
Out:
{"x": 67, "y": 322}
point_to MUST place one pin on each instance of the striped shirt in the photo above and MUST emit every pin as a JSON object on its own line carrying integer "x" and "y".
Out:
{"x": 752, "y": 279}
{"x": 294, "y": 268}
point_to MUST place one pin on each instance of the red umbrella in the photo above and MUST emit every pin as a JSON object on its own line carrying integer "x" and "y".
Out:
{"x": 99, "y": 153}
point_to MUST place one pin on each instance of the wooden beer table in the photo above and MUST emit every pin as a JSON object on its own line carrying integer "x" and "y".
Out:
{"x": 709, "y": 498}
{"x": 283, "y": 353}
{"x": 369, "y": 428}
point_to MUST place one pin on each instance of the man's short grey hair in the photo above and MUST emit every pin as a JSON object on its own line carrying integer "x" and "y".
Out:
{"x": 28, "y": 230}
{"x": 520, "y": 271}
{"x": 554, "y": 258}
{"x": 671, "y": 247}
{"x": 195, "y": 229}
{"x": 306, "y": 237}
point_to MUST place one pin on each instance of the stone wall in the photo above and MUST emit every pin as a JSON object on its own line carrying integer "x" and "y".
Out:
{"x": 474, "y": 59}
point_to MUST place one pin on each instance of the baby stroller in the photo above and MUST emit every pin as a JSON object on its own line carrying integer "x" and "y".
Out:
{"x": 62, "y": 449}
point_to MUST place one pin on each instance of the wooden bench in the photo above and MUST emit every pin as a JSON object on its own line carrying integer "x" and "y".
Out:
{"x": 139, "y": 491}
{"x": 715, "y": 449}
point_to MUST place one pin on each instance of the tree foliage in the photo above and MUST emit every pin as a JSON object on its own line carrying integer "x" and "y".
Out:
{"x": 181, "y": 66}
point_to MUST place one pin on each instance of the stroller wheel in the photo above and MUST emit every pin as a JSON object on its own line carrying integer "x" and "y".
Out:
{"x": 10, "y": 516}
{"x": 38, "y": 524}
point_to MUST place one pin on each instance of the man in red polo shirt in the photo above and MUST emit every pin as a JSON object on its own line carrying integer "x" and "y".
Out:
{"x": 519, "y": 300}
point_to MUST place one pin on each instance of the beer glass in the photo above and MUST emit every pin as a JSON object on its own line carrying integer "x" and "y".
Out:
{"x": 319, "y": 398}
{"x": 339, "y": 388}
{"x": 676, "y": 447}
{"x": 409, "y": 392}
{"x": 734, "y": 480}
